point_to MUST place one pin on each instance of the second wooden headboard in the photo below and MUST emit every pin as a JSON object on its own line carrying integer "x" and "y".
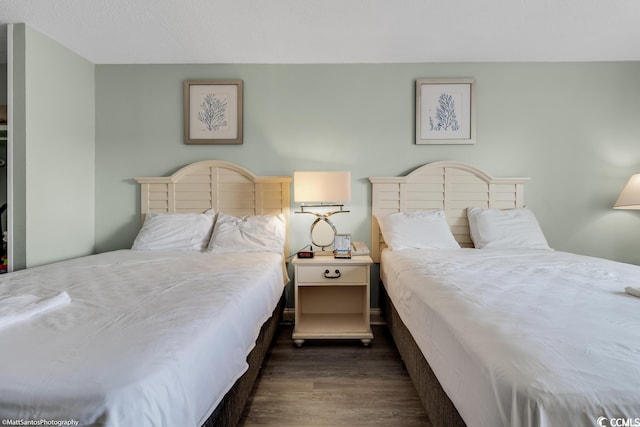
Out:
{"x": 448, "y": 185}
{"x": 218, "y": 185}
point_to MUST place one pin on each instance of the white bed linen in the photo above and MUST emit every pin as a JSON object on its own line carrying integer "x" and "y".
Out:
{"x": 523, "y": 337}
{"x": 149, "y": 339}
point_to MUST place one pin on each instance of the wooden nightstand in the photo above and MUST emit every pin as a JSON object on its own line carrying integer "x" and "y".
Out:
{"x": 332, "y": 298}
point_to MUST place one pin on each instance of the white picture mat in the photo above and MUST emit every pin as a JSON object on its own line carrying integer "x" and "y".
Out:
{"x": 227, "y": 126}
{"x": 445, "y": 111}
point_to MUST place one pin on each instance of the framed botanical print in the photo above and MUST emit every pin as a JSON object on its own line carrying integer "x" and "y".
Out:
{"x": 445, "y": 111}
{"x": 213, "y": 112}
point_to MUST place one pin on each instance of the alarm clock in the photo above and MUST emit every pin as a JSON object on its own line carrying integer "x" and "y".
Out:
{"x": 305, "y": 254}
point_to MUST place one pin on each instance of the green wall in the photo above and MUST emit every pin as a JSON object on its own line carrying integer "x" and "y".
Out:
{"x": 53, "y": 157}
{"x": 571, "y": 127}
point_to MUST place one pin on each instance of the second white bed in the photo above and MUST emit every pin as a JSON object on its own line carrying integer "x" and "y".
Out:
{"x": 149, "y": 338}
{"x": 526, "y": 337}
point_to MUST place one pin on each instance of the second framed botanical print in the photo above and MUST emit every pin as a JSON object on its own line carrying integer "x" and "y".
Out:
{"x": 213, "y": 112}
{"x": 445, "y": 111}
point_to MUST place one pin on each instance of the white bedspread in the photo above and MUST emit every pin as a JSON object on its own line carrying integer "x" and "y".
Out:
{"x": 524, "y": 338}
{"x": 149, "y": 339}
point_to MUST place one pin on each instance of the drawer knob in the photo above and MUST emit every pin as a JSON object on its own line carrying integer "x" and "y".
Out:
{"x": 336, "y": 275}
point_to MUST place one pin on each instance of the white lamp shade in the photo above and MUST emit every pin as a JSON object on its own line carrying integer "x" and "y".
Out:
{"x": 321, "y": 186}
{"x": 630, "y": 196}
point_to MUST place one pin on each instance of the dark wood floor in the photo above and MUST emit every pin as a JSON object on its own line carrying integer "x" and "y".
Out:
{"x": 334, "y": 383}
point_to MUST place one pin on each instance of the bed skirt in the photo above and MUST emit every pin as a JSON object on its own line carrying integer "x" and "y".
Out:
{"x": 440, "y": 409}
{"x": 229, "y": 411}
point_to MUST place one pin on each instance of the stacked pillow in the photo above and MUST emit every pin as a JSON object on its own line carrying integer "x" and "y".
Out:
{"x": 505, "y": 229}
{"x": 211, "y": 233}
{"x": 175, "y": 232}
{"x": 489, "y": 229}
{"x": 260, "y": 233}
{"x": 417, "y": 230}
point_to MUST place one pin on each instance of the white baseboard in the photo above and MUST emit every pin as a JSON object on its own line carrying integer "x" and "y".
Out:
{"x": 375, "y": 315}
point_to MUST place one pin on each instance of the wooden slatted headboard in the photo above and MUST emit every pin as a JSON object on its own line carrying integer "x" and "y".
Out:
{"x": 222, "y": 186}
{"x": 447, "y": 185}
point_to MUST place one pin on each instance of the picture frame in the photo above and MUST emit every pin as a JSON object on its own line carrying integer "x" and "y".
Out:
{"x": 213, "y": 111}
{"x": 445, "y": 111}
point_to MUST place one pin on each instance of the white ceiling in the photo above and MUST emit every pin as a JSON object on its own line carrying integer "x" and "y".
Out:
{"x": 333, "y": 31}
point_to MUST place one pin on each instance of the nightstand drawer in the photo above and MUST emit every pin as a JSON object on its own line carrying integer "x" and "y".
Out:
{"x": 332, "y": 274}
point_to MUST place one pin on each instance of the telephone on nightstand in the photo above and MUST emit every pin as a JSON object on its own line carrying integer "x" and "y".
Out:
{"x": 359, "y": 248}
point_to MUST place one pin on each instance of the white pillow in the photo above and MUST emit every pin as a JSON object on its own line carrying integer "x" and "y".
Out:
{"x": 174, "y": 232}
{"x": 260, "y": 233}
{"x": 505, "y": 229}
{"x": 417, "y": 230}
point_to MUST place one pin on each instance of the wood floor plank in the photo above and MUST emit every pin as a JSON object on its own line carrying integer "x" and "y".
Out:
{"x": 334, "y": 383}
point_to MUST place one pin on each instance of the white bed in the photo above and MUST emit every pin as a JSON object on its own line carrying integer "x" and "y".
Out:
{"x": 526, "y": 337}
{"x": 150, "y": 338}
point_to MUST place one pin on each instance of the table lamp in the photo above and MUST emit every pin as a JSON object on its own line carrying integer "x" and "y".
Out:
{"x": 325, "y": 191}
{"x": 630, "y": 196}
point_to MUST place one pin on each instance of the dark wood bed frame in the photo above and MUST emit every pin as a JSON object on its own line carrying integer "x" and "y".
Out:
{"x": 229, "y": 411}
{"x": 440, "y": 409}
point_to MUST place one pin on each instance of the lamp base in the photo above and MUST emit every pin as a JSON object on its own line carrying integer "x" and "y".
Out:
{"x": 323, "y": 233}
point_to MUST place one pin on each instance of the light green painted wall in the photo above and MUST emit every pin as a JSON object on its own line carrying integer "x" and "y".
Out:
{"x": 571, "y": 127}
{"x": 55, "y": 141}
